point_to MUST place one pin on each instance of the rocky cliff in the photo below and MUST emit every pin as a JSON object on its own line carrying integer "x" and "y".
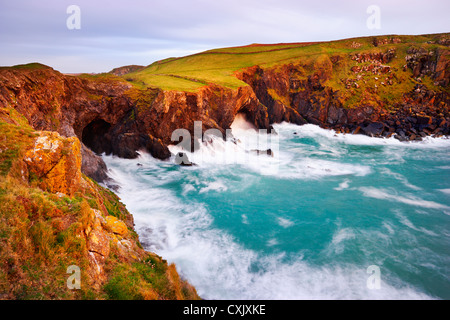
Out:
{"x": 291, "y": 94}
{"x": 126, "y": 69}
{"x": 109, "y": 115}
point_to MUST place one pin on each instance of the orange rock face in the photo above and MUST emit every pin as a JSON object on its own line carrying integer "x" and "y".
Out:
{"x": 116, "y": 226}
{"x": 55, "y": 162}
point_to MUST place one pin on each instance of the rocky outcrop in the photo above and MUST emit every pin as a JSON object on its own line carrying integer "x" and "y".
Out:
{"x": 126, "y": 69}
{"x": 99, "y": 111}
{"x": 93, "y": 165}
{"x": 55, "y": 162}
{"x": 290, "y": 96}
{"x": 293, "y": 95}
{"x": 214, "y": 106}
{"x": 433, "y": 63}
{"x": 103, "y": 232}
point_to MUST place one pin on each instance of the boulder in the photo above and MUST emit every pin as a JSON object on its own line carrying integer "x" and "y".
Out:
{"x": 93, "y": 165}
{"x": 423, "y": 120}
{"x": 116, "y": 226}
{"x": 373, "y": 129}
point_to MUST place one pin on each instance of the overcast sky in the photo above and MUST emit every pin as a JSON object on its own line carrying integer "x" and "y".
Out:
{"x": 114, "y": 33}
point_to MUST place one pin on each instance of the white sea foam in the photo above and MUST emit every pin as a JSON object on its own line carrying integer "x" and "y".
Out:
{"x": 391, "y": 195}
{"x": 214, "y": 186}
{"x": 400, "y": 178}
{"x": 188, "y": 188}
{"x": 446, "y": 191}
{"x": 285, "y": 223}
{"x": 388, "y": 227}
{"x": 314, "y": 131}
{"x": 218, "y": 152}
{"x": 308, "y": 168}
{"x": 342, "y": 234}
{"x": 337, "y": 244}
{"x": 297, "y": 162}
{"x": 272, "y": 242}
{"x": 343, "y": 185}
{"x": 240, "y": 123}
{"x": 405, "y": 221}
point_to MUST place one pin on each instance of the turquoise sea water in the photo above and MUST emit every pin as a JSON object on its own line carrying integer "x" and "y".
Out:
{"x": 304, "y": 224}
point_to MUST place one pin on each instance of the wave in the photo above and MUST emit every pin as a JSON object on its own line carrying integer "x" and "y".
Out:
{"x": 257, "y": 152}
{"x": 311, "y": 130}
{"x": 248, "y": 150}
{"x": 400, "y": 178}
{"x": 392, "y": 195}
{"x": 405, "y": 221}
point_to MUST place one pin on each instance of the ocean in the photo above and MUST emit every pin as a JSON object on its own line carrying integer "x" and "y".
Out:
{"x": 321, "y": 216}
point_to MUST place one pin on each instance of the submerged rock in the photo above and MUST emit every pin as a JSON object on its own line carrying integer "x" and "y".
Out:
{"x": 268, "y": 152}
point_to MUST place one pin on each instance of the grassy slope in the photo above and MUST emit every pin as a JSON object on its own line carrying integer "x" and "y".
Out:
{"x": 218, "y": 66}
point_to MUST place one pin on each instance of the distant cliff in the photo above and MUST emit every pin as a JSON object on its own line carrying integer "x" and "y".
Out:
{"x": 120, "y": 71}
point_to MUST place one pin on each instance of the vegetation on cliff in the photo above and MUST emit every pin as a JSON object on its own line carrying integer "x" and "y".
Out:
{"x": 363, "y": 69}
{"x": 399, "y": 82}
{"x": 53, "y": 217}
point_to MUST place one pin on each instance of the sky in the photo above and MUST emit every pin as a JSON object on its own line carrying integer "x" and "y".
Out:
{"x": 117, "y": 33}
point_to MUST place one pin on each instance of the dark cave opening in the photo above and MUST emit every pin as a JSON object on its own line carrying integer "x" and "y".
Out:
{"x": 96, "y": 136}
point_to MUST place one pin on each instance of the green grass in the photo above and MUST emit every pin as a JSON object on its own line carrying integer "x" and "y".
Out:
{"x": 152, "y": 278}
{"x": 102, "y": 77}
{"x": 33, "y": 65}
{"x": 219, "y": 66}
{"x": 13, "y": 141}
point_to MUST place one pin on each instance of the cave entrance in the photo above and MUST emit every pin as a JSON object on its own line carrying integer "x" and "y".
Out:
{"x": 96, "y": 136}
